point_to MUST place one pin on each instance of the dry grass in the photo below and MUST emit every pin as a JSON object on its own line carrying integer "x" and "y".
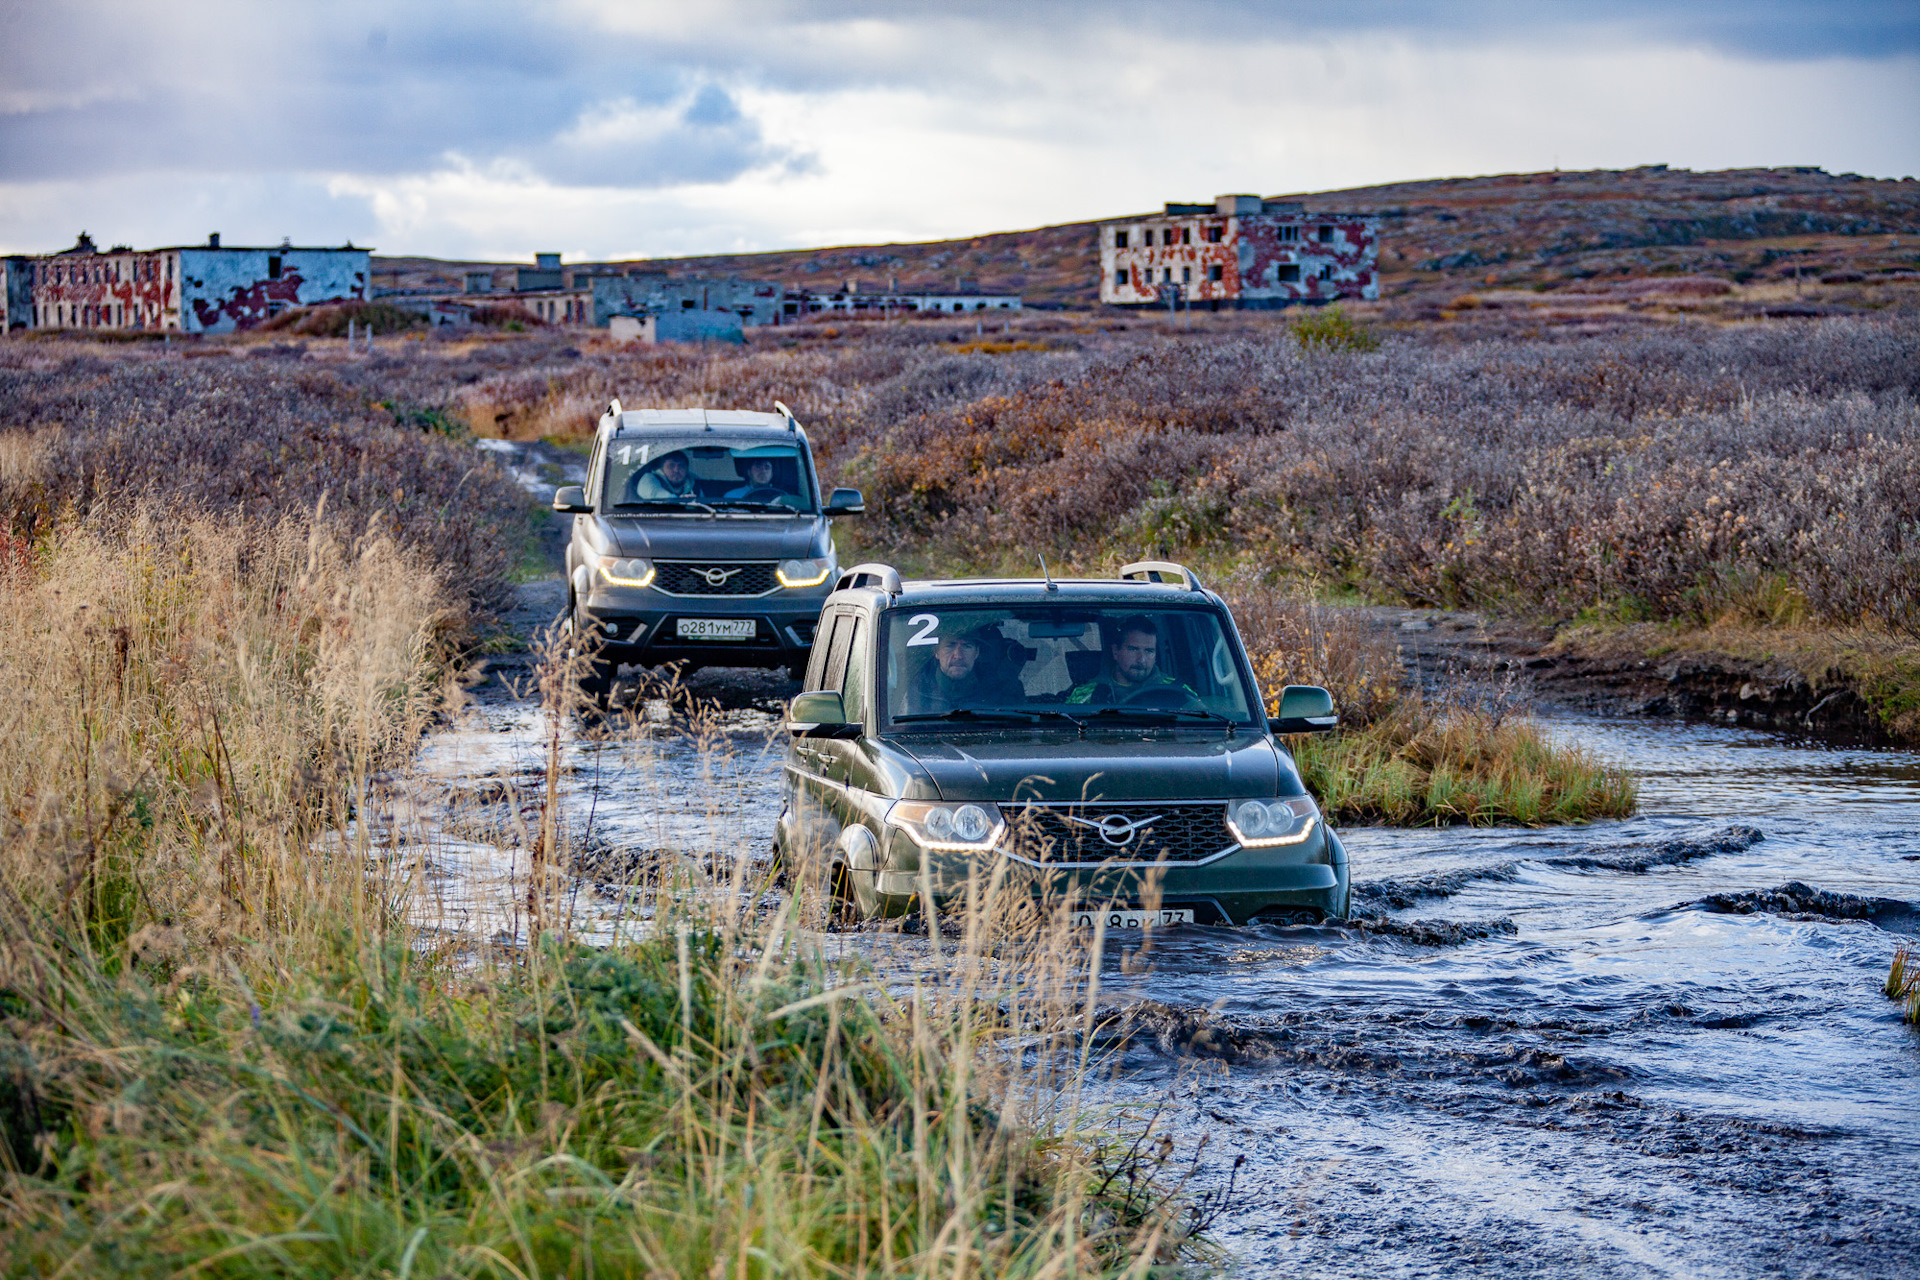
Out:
{"x": 1405, "y": 759}
{"x": 1903, "y": 984}
{"x": 226, "y": 1052}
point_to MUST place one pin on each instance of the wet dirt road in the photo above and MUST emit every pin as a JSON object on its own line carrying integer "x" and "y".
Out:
{"x": 1645, "y": 1048}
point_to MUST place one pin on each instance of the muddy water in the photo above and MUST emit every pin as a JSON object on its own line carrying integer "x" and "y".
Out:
{"x": 1598, "y": 1074}
{"x": 1652, "y": 1047}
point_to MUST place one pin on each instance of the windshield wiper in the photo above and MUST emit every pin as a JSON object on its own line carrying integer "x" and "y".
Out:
{"x": 1171, "y": 711}
{"x": 994, "y": 713}
{"x": 676, "y": 504}
{"x": 764, "y": 506}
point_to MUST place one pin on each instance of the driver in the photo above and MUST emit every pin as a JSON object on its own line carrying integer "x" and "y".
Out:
{"x": 759, "y": 476}
{"x": 1131, "y": 668}
{"x": 669, "y": 480}
{"x": 956, "y": 677}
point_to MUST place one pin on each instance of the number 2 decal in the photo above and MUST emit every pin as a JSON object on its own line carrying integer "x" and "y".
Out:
{"x": 928, "y": 624}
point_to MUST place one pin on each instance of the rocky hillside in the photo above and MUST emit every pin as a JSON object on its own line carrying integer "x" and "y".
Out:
{"x": 1736, "y": 242}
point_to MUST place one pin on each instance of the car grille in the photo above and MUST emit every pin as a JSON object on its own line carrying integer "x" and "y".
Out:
{"x": 695, "y": 578}
{"x": 1170, "y": 832}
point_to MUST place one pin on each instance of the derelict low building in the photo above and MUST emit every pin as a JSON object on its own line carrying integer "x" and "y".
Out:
{"x": 207, "y": 288}
{"x": 1239, "y": 252}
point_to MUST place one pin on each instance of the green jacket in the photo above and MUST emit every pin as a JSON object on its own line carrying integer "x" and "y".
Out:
{"x": 1103, "y": 691}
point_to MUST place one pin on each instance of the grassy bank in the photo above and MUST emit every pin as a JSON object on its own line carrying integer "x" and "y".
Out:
{"x": 1406, "y": 759}
{"x": 225, "y": 1051}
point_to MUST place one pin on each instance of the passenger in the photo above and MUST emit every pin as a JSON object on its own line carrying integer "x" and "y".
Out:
{"x": 669, "y": 480}
{"x": 957, "y": 677}
{"x": 1131, "y": 669}
{"x": 759, "y": 476}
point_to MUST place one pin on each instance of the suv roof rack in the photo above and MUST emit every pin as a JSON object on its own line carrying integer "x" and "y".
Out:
{"x": 883, "y": 576}
{"x": 792, "y": 426}
{"x": 1159, "y": 571}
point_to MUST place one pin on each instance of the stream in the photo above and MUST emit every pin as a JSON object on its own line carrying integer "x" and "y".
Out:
{"x": 1642, "y": 1048}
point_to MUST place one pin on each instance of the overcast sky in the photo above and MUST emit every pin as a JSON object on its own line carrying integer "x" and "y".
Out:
{"x": 627, "y": 128}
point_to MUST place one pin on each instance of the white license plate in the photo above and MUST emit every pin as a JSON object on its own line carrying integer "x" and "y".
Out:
{"x": 1121, "y": 918}
{"x": 716, "y": 628}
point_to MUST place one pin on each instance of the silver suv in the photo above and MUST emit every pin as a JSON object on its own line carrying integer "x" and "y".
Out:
{"x": 700, "y": 538}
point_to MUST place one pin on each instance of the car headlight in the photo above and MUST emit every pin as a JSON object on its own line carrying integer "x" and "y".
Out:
{"x": 630, "y": 572}
{"x": 966, "y": 827}
{"x": 1259, "y": 824}
{"x": 803, "y": 573}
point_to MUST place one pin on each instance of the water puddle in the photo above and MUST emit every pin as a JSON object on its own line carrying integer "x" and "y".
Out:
{"x": 1650, "y": 1047}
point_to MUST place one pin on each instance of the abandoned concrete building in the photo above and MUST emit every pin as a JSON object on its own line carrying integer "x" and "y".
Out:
{"x": 1240, "y": 252}
{"x": 206, "y": 288}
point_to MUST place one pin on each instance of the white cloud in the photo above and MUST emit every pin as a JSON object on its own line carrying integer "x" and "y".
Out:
{"x": 623, "y": 130}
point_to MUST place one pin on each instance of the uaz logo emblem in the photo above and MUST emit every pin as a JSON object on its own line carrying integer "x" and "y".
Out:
{"x": 716, "y": 577}
{"x": 1115, "y": 829}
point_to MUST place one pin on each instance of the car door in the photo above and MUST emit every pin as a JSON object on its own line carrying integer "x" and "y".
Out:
{"x": 849, "y": 765}
{"x": 810, "y": 803}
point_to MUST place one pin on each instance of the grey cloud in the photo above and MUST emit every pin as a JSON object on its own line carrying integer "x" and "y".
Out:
{"x": 234, "y": 87}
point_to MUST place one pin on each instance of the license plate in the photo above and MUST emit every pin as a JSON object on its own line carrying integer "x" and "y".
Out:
{"x": 1124, "y": 918}
{"x": 716, "y": 628}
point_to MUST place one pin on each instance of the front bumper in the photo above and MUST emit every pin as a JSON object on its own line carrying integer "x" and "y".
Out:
{"x": 642, "y": 627}
{"x": 1237, "y": 888}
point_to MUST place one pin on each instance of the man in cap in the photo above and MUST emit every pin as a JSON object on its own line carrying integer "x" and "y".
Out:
{"x": 964, "y": 672}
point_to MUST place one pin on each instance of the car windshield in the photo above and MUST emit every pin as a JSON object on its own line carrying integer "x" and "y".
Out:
{"x": 702, "y": 472}
{"x": 1061, "y": 666}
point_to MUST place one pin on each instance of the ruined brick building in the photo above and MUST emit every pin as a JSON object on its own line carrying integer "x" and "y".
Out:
{"x": 1240, "y": 252}
{"x": 206, "y": 288}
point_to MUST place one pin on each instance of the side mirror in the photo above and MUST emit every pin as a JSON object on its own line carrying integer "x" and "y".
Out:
{"x": 846, "y": 502}
{"x": 821, "y": 709}
{"x": 571, "y": 500}
{"x": 1304, "y": 708}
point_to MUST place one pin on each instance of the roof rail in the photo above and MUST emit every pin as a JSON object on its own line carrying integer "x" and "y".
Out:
{"x": 883, "y": 576}
{"x": 788, "y": 415}
{"x": 614, "y": 408}
{"x": 1159, "y": 571}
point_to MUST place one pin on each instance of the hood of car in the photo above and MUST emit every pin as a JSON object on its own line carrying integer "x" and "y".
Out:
{"x": 721, "y": 537}
{"x": 1184, "y": 765}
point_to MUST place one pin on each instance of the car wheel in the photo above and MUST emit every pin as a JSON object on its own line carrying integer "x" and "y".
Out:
{"x": 855, "y": 899}
{"x": 596, "y": 672}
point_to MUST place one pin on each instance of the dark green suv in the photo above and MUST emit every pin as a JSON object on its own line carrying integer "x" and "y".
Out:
{"x": 1105, "y": 740}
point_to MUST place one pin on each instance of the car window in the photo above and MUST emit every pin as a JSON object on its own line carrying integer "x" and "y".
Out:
{"x": 593, "y": 473}
{"x": 816, "y": 659}
{"x": 853, "y": 685}
{"x": 737, "y": 475}
{"x": 1062, "y": 658}
{"x": 836, "y": 669}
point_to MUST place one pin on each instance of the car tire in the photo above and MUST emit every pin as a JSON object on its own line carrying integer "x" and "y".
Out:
{"x": 597, "y": 673}
{"x": 855, "y": 899}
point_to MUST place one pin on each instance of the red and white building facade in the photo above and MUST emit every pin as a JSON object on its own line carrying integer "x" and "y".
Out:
{"x": 199, "y": 289}
{"x": 1240, "y": 252}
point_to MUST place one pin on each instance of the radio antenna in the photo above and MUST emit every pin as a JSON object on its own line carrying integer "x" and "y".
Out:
{"x": 1048, "y": 575}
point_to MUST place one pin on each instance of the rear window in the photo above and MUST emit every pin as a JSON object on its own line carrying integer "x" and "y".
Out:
{"x": 1069, "y": 659}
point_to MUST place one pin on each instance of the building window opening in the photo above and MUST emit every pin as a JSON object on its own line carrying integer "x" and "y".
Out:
{"x": 1186, "y": 275}
{"x": 1186, "y": 235}
{"x": 273, "y": 266}
{"x": 1120, "y": 278}
{"x": 1214, "y": 272}
{"x": 1146, "y": 237}
{"x": 1289, "y": 274}
{"x": 1326, "y": 273}
{"x": 1326, "y": 235}
{"x": 1214, "y": 234}
{"x": 1119, "y": 239}
{"x": 1289, "y": 233}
